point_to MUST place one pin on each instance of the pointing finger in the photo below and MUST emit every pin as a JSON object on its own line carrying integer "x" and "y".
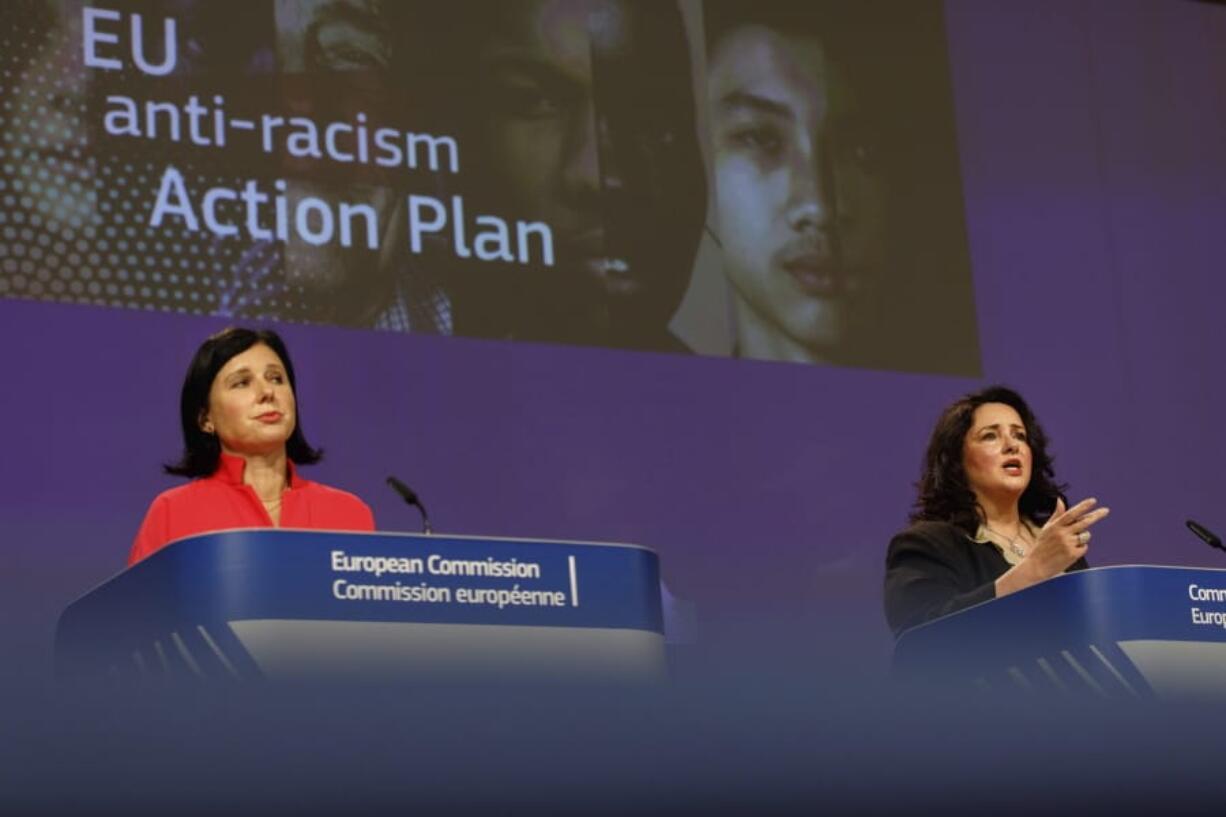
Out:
{"x": 1089, "y": 519}
{"x": 1073, "y": 514}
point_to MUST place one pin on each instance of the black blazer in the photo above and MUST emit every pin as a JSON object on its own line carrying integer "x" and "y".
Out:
{"x": 936, "y": 568}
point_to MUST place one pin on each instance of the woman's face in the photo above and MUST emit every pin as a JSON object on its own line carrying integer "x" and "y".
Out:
{"x": 251, "y": 405}
{"x": 996, "y": 452}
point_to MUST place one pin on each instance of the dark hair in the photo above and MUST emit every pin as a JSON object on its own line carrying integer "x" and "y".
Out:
{"x": 721, "y": 17}
{"x": 201, "y": 451}
{"x": 945, "y": 493}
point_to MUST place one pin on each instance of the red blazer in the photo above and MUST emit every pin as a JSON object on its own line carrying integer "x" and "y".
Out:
{"x": 221, "y": 501}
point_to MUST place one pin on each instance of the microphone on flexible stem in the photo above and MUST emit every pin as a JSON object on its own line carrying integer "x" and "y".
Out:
{"x": 407, "y": 494}
{"x": 1209, "y": 537}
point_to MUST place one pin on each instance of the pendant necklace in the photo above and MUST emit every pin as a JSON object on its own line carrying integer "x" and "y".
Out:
{"x": 1014, "y": 547}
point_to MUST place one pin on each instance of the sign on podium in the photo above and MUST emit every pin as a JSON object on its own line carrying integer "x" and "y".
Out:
{"x": 1127, "y": 631}
{"x": 311, "y": 605}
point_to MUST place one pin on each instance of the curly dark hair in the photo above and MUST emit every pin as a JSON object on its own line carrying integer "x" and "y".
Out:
{"x": 201, "y": 451}
{"x": 945, "y": 493}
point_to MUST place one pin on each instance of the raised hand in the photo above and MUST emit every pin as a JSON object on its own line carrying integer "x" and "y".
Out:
{"x": 1062, "y": 541}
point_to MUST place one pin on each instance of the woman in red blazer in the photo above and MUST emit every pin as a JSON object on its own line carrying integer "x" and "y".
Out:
{"x": 242, "y": 439}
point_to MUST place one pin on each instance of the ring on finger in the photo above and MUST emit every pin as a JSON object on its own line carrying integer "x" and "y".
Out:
{"x": 1084, "y": 537}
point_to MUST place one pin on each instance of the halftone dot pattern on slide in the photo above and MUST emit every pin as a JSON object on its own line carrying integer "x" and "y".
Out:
{"x": 74, "y": 224}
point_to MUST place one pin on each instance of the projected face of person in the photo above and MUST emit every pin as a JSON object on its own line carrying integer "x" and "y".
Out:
{"x": 800, "y": 204}
{"x": 543, "y": 137}
{"x": 56, "y": 171}
{"x": 334, "y": 54}
{"x": 251, "y": 404}
{"x": 996, "y": 453}
{"x": 565, "y": 144}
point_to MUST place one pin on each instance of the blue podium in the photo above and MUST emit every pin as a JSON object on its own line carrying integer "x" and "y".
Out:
{"x": 1128, "y": 631}
{"x": 281, "y": 604}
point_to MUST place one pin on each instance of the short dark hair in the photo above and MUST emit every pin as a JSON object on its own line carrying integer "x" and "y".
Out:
{"x": 201, "y": 451}
{"x": 722, "y": 17}
{"x": 944, "y": 493}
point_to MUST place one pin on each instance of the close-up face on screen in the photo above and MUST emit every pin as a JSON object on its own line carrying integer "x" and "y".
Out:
{"x": 583, "y": 118}
{"x": 798, "y": 196}
{"x": 817, "y": 153}
{"x": 715, "y": 178}
{"x": 333, "y": 66}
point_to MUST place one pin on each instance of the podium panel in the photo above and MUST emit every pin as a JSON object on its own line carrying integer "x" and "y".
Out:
{"x": 1126, "y": 631}
{"x": 311, "y": 605}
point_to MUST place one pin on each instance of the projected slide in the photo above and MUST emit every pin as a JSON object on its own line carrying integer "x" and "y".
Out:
{"x": 775, "y": 181}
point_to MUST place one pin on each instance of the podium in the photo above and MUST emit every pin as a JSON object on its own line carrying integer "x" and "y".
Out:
{"x": 279, "y": 604}
{"x": 1127, "y": 631}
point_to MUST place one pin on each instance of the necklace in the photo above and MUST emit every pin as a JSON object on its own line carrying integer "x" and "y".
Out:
{"x": 1014, "y": 547}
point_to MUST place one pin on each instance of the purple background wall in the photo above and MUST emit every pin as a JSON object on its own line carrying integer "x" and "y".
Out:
{"x": 1093, "y": 137}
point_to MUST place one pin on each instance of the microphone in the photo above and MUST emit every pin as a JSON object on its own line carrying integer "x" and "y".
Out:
{"x": 1207, "y": 536}
{"x": 407, "y": 494}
